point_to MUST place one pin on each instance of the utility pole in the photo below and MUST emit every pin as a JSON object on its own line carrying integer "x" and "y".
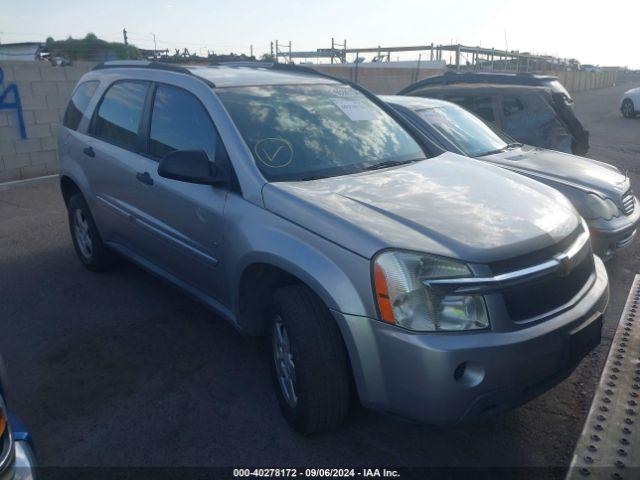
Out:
{"x": 251, "y": 50}
{"x": 155, "y": 48}
{"x": 277, "y": 50}
{"x": 124, "y": 34}
{"x": 271, "y": 49}
{"x": 332, "y": 47}
{"x": 289, "y": 51}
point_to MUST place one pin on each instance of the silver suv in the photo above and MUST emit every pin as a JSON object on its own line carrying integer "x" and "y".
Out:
{"x": 299, "y": 206}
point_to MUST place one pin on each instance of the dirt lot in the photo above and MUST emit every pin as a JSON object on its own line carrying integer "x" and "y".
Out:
{"x": 121, "y": 369}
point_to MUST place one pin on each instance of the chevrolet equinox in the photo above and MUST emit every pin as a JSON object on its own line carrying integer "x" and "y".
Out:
{"x": 301, "y": 207}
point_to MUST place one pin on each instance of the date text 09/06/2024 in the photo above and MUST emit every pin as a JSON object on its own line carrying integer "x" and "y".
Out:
{"x": 315, "y": 473}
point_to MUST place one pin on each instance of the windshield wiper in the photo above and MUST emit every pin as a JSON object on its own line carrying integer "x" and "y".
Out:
{"x": 312, "y": 177}
{"x": 390, "y": 163}
{"x": 500, "y": 150}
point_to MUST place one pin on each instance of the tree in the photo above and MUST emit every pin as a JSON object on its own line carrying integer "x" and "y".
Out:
{"x": 91, "y": 48}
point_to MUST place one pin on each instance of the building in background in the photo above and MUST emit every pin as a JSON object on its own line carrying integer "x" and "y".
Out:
{"x": 24, "y": 51}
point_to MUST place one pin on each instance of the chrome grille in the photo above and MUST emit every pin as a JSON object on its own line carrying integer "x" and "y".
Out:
{"x": 628, "y": 202}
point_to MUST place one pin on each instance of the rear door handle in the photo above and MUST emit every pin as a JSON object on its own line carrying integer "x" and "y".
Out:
{"x": 144, "y": 177}
{"x": 89, "y": 151}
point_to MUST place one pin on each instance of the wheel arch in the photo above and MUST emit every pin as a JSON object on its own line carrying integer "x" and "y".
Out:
{"x": 261, "y": 274}
{"x": 68, "y": 188}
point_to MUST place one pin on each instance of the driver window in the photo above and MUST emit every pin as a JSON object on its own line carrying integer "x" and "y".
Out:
{"x": 180, "y": 122}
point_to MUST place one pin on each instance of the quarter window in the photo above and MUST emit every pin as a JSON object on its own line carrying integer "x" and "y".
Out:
{"x": 180, "y": 122}
{"x": 78, "y": 104}
{"x": 119, "y": 114}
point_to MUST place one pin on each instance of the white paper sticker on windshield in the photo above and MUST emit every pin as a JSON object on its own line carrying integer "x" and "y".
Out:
{"x": 344, "y": 92}
{"x": 356, "y": 110}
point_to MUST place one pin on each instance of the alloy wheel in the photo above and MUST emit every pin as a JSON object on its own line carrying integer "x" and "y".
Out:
{"x": 83, "y": 236}
{"x": 285, "y": 368}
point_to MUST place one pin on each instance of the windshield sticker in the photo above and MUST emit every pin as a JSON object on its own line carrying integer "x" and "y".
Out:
{"x": 274, "y": 152}
{"x": 356, "y": 110}
{"x": 343, "y": 92}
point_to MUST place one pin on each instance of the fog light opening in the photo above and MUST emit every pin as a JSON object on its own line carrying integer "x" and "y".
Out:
{"x": 468, "y": 374}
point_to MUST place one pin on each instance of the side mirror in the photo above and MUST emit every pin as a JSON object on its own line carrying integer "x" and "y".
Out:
{"x": 191, "y": 166}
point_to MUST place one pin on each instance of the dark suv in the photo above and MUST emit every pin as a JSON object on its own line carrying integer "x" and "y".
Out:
{"x": 534, "y": 109}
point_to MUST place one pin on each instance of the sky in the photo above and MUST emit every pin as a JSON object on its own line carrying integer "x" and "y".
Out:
{"x": 601, "y": 32}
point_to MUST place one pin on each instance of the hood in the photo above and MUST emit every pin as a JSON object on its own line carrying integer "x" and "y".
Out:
{"x": 551, "y": 166}
{"x": 448, "y": 205}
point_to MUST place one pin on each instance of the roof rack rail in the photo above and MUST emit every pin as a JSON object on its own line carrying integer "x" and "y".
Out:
{"x": 141, "y": 64}
{"x": 243, "y": 63}
{"x": 451, "y": 77}
{"x": 149, "y": 65}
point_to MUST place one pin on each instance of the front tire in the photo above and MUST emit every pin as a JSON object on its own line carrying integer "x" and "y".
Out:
{"x": 87, "y": 242}
{"x": 628, "y": 109}
{"x": 309, "y": 362}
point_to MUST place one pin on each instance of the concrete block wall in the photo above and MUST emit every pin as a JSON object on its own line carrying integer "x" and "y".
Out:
{"x": 382, "y": 81}
{"x": 44, "y": 92}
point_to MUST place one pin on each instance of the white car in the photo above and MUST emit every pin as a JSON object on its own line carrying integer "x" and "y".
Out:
{"x": 630, "y": 103}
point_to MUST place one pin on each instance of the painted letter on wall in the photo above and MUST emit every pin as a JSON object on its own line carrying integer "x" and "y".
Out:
{"x": 10, "y": 100}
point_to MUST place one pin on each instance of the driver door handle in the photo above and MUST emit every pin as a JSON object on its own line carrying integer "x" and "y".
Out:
{"x": 144, "y": 177}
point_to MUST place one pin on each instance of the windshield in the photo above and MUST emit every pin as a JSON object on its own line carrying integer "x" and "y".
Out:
{"x": 301, "y": 132}
{"x": 464, "y": 130}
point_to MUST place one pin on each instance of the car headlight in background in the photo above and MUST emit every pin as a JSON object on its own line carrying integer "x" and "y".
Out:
{"x": 404, "y": 300}
{"x": 601, "y": 208}
{"x": 6, "y": 442}
{"x": 4, "y": 421}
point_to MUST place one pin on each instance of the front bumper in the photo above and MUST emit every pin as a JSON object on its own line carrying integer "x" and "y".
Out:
{"x": 608, "y": 239}
{"x": 447, "y": 378}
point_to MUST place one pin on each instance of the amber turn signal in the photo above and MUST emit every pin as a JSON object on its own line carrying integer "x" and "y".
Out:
{"x": 382, "y": 295}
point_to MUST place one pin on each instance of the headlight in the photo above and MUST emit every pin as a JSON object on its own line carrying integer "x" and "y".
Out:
{"x": 405, "y": 301}
{"x": 599, "y": 208}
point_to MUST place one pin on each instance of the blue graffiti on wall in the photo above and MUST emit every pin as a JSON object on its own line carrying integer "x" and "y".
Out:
{"x": 8, "y": 102}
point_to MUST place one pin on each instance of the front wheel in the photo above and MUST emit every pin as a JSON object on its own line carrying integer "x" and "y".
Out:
{"x": 309, "y": 361}
{"x": 628, "y": 109}
{"x": 87, "y": 242}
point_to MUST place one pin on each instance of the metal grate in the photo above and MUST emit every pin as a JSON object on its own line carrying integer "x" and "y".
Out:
{"x": 628, "y": 202}
{"x": 609, "y": 446}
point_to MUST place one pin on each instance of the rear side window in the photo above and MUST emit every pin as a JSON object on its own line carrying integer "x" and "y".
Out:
{"x": 78, "y": 104}
{"x": 483, "y": 107}
{"x": 119, "y": 113}
{"x": 511, "y": 106}
{"x": 180, "y": 122}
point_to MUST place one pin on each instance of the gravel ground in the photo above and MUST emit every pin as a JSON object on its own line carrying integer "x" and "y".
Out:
{"x": 123, "y": 370}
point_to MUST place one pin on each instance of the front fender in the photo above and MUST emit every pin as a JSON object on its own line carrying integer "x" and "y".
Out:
{"x": 341, "y": 278}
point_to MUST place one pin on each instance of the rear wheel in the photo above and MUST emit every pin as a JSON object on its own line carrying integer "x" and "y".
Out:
{"x": 628, "y": 109}
{"x": 309, "y": 361}
{"x": 87, "y": 242}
